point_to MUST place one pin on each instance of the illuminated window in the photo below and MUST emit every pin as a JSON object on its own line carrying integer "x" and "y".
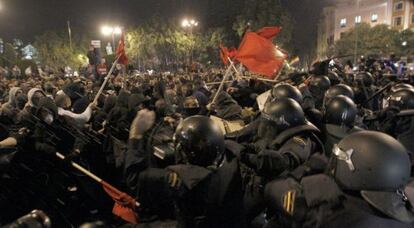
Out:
{"x": 374, "y": 17}
{"x": 397, "y": 21}
{"x": 398, "y": 6}
{"x": 357, "y": 19}
{"x": 343, "y": 22}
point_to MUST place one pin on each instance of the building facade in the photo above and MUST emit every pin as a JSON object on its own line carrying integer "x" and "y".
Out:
{"x": 345, "y": 14}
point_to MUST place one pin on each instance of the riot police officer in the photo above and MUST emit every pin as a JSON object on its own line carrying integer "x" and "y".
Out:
{"x": 285, "y": 140}
{"x": 339, "y": 120}
{"x": 205, "y": 185}
{"x": 364, "y": 188}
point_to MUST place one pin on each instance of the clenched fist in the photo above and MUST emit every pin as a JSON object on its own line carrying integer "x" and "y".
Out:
{"x": 142, "y": 123}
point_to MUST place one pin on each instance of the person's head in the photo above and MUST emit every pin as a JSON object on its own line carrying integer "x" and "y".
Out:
{"x": 402, "y": 98}
{"x": 336, "y": 90}
{"x": 279, "y": 115}
{"x": 63, "y": 101}
{"x": 340, "y": 110}
{"x": 286, "y": 91}
{"x": 47, "y": 110}
{"x": 34, "y": 95}
{"x": 191, "y": 106}
{"x": 198, "y": 141}
{"x": 378, "y": 167}
{"x": 318, "y": 85}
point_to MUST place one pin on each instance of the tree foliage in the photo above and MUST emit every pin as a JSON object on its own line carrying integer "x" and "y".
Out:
{"x": 9, "y": 57}
{"x": 265, "y": 13}
{"x": 54, "y": 49}
{"x": 379, "y": 40}
{"x": 160, "y": 43}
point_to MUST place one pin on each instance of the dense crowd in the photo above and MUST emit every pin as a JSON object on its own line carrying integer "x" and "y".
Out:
{"x": 331, "y": 147}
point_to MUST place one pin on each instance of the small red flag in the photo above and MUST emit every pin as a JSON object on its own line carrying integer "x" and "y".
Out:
{"x": 120, "y": 51}
{"x": 260, "y": 55}
{"x": 124, "y": 204}
{"x": 226, "y": 53}
{"x": 269, "y": 32}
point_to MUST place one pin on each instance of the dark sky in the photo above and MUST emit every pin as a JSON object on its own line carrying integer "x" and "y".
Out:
{"x": 27, "y": 18}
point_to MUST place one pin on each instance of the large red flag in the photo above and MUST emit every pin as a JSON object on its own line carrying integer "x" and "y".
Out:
{"x": 260, "y": 55}
{"x": 120, "y": 51}
{"x": 268, "y": 32}
{"x": 124, "y": 206}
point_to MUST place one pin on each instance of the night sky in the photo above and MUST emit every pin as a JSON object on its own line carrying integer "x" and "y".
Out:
{"x": 25, "y": 19}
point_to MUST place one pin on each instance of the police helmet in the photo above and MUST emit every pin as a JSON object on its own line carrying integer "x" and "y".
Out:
{"x": 341, "y": 110}
{"x": 283, "y": 113}
{"x": 378, "y": 166}
{"x": 199, "y": 141}
{"x": 286, "y": 90}
{"x": 402, "y": 98}
{"x": 340, "y": 89}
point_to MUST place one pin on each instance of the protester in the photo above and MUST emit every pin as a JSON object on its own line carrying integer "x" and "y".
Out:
{"x": 305, "y": 152}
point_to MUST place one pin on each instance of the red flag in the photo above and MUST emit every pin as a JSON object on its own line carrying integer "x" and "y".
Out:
{"x": 268, "y": 32}
{"x": 124, "y": 204}
{"x": 260, "y": 55}
{"x": 232, "y": 53}
{"x": 120, "y": 51}
{"x": 224, "y": 53}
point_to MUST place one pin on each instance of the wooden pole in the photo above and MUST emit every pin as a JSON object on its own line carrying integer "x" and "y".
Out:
{"x": 106, "y": 80}
{"x": 91, "y": 175}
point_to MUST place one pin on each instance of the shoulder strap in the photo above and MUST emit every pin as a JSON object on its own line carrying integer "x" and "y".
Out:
{"x": 285, "y": 135}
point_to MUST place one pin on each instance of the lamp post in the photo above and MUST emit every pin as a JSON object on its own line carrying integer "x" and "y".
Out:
{"x": 190, "y": 24}
{"x": 111, "y": 31}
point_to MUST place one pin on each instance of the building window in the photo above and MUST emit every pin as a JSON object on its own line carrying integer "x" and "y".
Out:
{"x": 357, "y": 19}
{"x": 343, "y": 23}
{"x": 397, "y": 21}
{"x": 412, "y": 18}
{"x": 374, "y": 17}
{"x": 399, "y": 6}
{"x": 341, "y": 35}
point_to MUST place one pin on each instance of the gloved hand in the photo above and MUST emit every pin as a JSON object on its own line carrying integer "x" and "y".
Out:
{"x": 143, "y": 121}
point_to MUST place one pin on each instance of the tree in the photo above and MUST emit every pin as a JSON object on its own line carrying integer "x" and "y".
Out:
{"x": 265, "y": 13}
{"x": 162, "y": 44}
{"x": 54, "y": 50}
{"x": 404, "y": 42}
{"x": 9, "y": 57}
{"x": 366, "y": 40}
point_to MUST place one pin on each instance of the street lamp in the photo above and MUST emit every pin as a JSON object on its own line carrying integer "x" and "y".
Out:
{"x": 111, "y": 31}
{"x": 190, "y": 23}
{"x": 404, "y": 43}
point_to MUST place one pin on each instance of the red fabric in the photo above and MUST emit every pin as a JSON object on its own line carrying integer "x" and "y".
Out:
{"x": 260, "y": 55}
{"x": 269, "y": 32}
{"x": 124, "y": 204}
{"x": 226, "y": 53}
{"x": 120, "y": 51}
{"x": 232, "y": 52}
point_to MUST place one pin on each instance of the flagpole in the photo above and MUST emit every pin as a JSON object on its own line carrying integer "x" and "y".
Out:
{"x": 235, "y": 69}
{"x": 91, "y": 175}
{"x": 106, "y": 80}
{"x": 226, "y": 75}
